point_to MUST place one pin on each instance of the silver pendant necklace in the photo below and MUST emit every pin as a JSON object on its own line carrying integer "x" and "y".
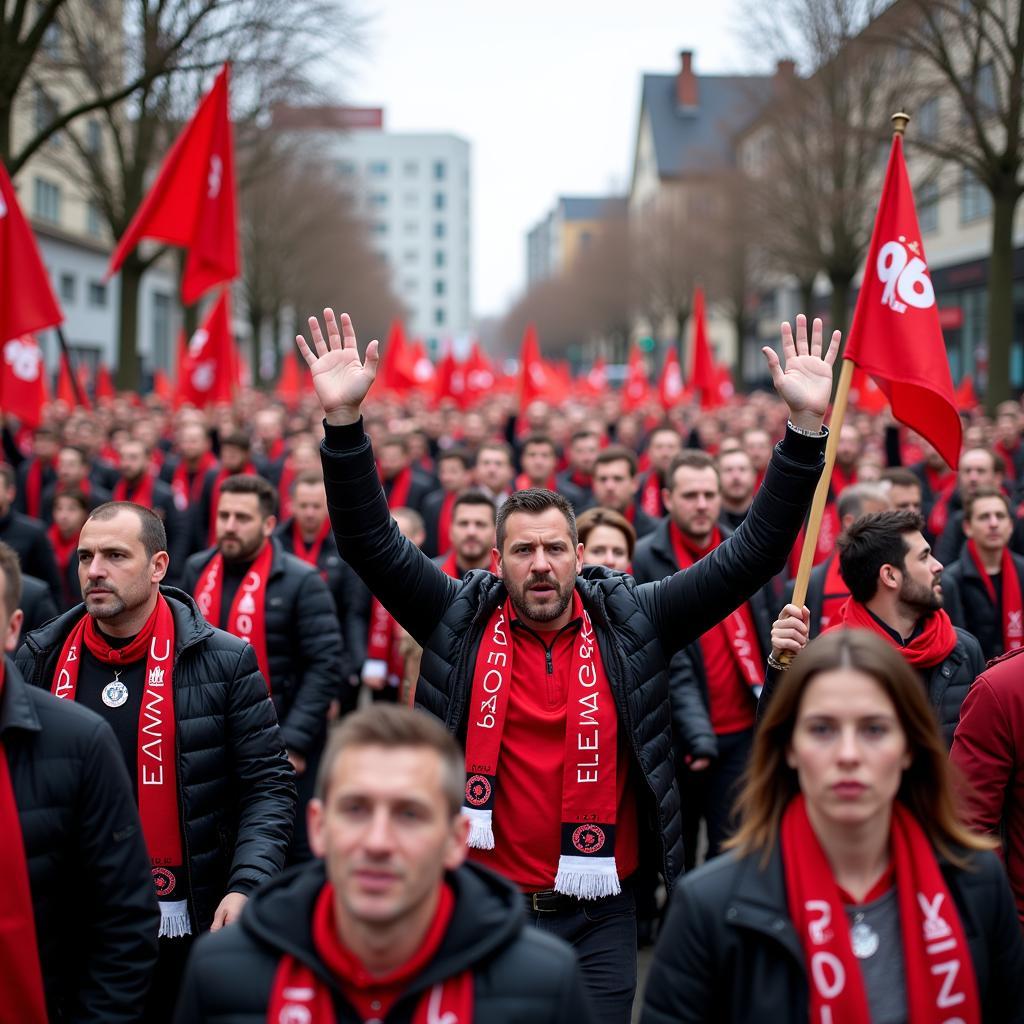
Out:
{"x": 115, "y": 693}
{"x": 863, "y": 938}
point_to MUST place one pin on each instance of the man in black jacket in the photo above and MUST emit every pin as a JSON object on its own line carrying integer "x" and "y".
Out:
{"x": 455, "y": 474}
{"x": 472, "y": 535}
{"x": 615, "y": 483}
{"x": 218, "y": 809}
{"x": 94, "y": 909}
{"x": 73, "y": 474}
{"x": 392, "y": 890}
{"x": 27, "y": 536}
{"x": 983, "y": 590}
{"x": 542, "y": 827}
{"x": 250, "y": 587}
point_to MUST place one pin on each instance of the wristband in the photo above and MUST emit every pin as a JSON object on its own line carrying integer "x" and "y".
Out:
{"x": 805, "y": 433}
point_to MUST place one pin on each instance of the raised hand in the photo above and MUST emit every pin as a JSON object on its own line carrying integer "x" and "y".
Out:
{"x": 805, "y": 384}
{"x": 341, "y": 379}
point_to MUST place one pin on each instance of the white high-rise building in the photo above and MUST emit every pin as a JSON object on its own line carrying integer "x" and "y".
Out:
{"x": 413, "y": 190}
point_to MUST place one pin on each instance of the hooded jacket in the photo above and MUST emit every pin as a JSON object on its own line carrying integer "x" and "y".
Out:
{"x": 520, "y": 975}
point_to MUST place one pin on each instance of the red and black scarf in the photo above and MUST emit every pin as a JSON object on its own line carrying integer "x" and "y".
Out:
{"x": 943, "y": 490}
{"x": 650, "y": 495}
{"x": 1013, "y": 611}
{"x": 157, "y": 766}
{"x": 398, "y": 493}
{"x": 383, "y": 650}
{"x": 186, "y": 494}
{"x": 63, "y": 550}
{"x": 450, "y": 566}
{"x": 141, "y": 490}
{"x": 247, "y": 615}
{"x": 586, "y": 865}
{"x": 933, "y": 644}
{"x": 300, "y": 994}
{"x": 21, "y": 976}
{"x": 940, "y": 980}
{"x": 740, "y": 634}
{"x": 310, "y": 552}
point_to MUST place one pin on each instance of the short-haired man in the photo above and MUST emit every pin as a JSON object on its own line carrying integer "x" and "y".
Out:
{"x": 983, "y": 590}
{"x": 455, "y": 474}
{"x": 904, "y": 489}
{"x": 37, "y": 472}
{"x": 716, "y": 680}
{"x": 26, "y": 535}
{"x": 250, "y": 587}
{"x": 73, "y": 470}
{"x": 557, "y": 802}
{"x": 188, "y": 707}
{"x": 70, "y": 511}
{"x": 472, "y": 533}
{"x": 895, "y": 591}
{"x": 663, "y": 445}
{"x": 538, "y": 458}
{"x": 188, "y": 474}
{"x": 493, "y": 470}
{"x": 403, "y": 483}
{"x": 739, "y": 479}
{"x": 615, "y": 485}
{"x": 392, "y": 924}
{"x": 235, "y": 460}
{"x": 80, "y": 915}
{"x": 757, "y": 443}
{"x": 826, "y": 590}
{"x": 575, "y": 482}
{"x": 1009, "y": 426}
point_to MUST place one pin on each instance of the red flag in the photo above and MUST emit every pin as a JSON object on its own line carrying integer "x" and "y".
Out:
{"x": 704, "y": 376}
{"x": 208, "y": 365}
{"x": 27, "y": 302}
{"x": 895, "y": 335}
{"x": 391, "y": 374}
{"x": 417, "y": 368}
{"x": 192, "y": 201}
{"x": 966, "y": 396}
{"x": 104, "y": 383}
{"x": 480, "y": 376}
{"x": 23, "y": 381}
{"x": 596, "y": 380}
{"x": 866, "y": 395}
{"x": 67, "y": 391}
{"x": 162, "y": 386}
{"x": 724, "y": 387}
{"x": 637, "y": 389}
{"x": 289, "y": 383}
{"x": 445, "y": 381}
{"x": 535, "y": 377}
{"x": 670, "y": 384}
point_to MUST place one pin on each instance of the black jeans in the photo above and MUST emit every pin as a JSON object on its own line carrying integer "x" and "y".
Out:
{"x": 167, "y": 978}
{"x": 710, "y": 795}
{"x": 603, "y": 935}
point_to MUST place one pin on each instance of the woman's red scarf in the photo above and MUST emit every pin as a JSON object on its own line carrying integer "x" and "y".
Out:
{"x": 157, "y": 765}
{"x": 185, "y": 494}
{"x": 934, "y": 644}
{"x": 941, "y": 986}
{"x": 309, "y": 552}
{"x": 21, "y": 976}
{"x": 141, "y": 491}
{"x": 740, "y": 634}
{"x": 300, "y": 994}
{"x": 1013, "y": 611}
{"x": 247, "y": 616}
{"x": 586, "y": 865}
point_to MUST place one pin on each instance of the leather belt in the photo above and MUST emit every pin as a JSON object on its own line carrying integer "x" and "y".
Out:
{"x": 549, "y": 902}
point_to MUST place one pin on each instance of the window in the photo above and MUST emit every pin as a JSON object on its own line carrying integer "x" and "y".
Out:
{"x": 985, "y": 90}
{"x": 46, "y": 110}
{"x": 411, "y": 199}
{"x": 439, "y": 259}
{"x": 410, "y": 256}
{"x": 93, "y": 220}
{"x": 439, "y": 317}
{"x": 439, "y": 229}
{"x": 161, "y": 329}
{"x": 94, "y": 136}
{"x": 975, "y": 200}
{"x": 411, "y": 227}
{"x": 97, "y": 294}
{"x": 439, "y": 287}
{"x": 410, "y": 284}
{"x": 928, "y": 207}
{"x": 410, "y": 168}
{"x": 440, "y": 170}
{"x": 345, "y": 168}
{"x": 46, "y": 200}
{"x": 379, "y": 199}
{"x": 379, "y": 227}
{"x": 67, "y": 287}
{"x": 438, "y": 200}
{"x": 928, "y": 119}
{"x": 377, "y": 169}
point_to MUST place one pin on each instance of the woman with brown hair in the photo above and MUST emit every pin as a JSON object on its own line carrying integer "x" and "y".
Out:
{"x": 608, "y": 538}
{"x": 852, "y": 894}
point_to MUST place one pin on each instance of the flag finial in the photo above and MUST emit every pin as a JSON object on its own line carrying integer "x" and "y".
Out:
{"x": 900, "y": 122}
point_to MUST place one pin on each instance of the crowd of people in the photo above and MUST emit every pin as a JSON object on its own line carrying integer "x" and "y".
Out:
{"x": 225, "y": 627}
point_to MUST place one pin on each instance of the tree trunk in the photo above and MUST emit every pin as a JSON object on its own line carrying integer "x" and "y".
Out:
{"x": 256, "y": 318}
{"x": 5, "y": 131}
{"x": 128, "y": 324}
{"x": 1000, "y": 299}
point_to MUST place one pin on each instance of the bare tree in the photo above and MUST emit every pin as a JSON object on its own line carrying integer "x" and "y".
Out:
{"x": 968, "y": 56}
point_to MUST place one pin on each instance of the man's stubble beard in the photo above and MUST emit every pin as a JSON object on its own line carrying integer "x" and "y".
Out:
{"x": 520, "y": 600}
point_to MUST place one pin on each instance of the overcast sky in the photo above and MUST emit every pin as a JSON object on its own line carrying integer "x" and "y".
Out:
{"x": 546, "y": 91}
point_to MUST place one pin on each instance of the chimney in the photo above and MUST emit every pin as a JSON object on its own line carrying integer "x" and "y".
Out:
{"x": 785, "y": 70}
{"x": 686, "y": 82}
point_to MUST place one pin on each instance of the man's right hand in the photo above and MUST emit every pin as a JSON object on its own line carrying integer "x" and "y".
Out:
{"x": 340, "y": 377}
{"x": 790, "y": 631}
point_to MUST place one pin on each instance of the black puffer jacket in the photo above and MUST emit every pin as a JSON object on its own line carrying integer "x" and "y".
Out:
{"x": 35, "y": 552}
{"x": 303, "y": 644}
{"x": 520, "y": 975}
{"x": 729, "y": 954}
{"x": 92, "y": 889}
{"x": 236, "y": 789}
{"x": 638, "y": 628}
{"x": 967, "y": 602}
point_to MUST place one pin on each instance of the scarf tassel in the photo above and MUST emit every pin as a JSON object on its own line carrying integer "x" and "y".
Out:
{"x": 174, "y": 922}
{"x": 587, "y": 878}
{"x": 481, "y": 831}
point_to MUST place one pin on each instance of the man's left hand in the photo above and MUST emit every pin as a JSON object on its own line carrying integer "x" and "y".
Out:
{"x": 228, "y": 911}
{"x": 805, "y": 383}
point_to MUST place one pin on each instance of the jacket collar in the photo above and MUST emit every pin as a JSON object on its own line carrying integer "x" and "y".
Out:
{"x": 661, "y": 542}
{"x": 16, "y": 709}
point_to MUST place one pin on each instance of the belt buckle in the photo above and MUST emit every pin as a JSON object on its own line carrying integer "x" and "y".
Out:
{"x": 538, "y": 909}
